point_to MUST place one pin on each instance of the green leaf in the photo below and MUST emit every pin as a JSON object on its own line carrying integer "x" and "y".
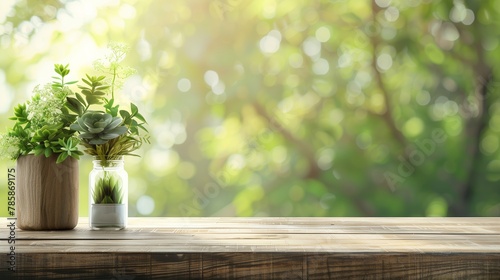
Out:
{"x": 140, "y": 117}
{"x": 48, "y": 152}
{"x": 107, "y": 200}
{"x": 80, "y": 98}
{"x": 38, "y": 150}
{"x": 87, "y": 81}
{"x": 92, "y": 100}
{"x": 125, "y": 115}
{"x": 86, "y": 91}
{"x": 99, "y": 93}
{"x": 143, "y": 128}
{"x": 100, "y": 78}
{"x": 133, "y": 109}
{"x": 109, "y": 103}
{"x": 102, "y": 87}
{"x": 62, "y": 157}
{"x": 75, "y": 105}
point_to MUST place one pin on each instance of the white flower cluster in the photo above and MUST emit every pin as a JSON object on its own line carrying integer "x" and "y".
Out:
{"x": 110, "y": 64}
{"x": 45, "y": 106}
{"x": 9, "y": 146}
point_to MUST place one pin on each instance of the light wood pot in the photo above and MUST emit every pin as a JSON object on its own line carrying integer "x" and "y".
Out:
{"x": 46, "y": 193}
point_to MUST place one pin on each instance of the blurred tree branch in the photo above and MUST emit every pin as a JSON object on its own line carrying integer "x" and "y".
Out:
{"x": 301, "y": 145}
{"x": 474, "y": 131}
{"x": 386, "y": 116}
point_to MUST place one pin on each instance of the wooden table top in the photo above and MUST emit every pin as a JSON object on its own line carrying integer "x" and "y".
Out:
{"x": 405, "y": 239}
{"x": 360, "y": 235}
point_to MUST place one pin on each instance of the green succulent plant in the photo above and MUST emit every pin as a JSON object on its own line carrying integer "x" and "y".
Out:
{"x": 98, "y": 127}
{"x": 112, "y": 131}
{"x": 108, "y": 189}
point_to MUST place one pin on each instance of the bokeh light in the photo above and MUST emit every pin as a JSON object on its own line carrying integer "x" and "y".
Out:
{"x": 284, "y": 108}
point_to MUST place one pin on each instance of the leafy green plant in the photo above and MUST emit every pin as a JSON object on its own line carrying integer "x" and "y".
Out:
{"x": 109, "y": 132}
{"x": 57, "y": 120}
{"x": 42, "y": 124}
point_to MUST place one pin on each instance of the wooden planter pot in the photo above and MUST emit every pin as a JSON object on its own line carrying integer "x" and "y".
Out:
{"x": 46, "y": 193}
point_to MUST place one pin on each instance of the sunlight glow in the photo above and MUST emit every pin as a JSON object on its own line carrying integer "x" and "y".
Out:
{"x": 271, "y": 42}
{"x": 184, "y": 85}
{"x": 145, "y": 205}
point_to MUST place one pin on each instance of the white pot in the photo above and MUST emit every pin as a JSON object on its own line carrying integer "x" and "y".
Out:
{"x": 108, "y": 216}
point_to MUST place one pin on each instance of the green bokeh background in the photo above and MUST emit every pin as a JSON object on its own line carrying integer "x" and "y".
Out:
{"x": 285, "y": 108}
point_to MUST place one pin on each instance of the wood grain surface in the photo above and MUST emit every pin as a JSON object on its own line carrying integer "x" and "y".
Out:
{"x": 261, "y": 248}
{"x": 46, "y": 193}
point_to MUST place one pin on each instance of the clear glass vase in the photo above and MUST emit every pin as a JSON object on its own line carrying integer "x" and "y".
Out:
{"x": 108, "y": 195}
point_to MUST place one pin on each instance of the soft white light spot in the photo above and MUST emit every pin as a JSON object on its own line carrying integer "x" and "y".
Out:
{"x": 158, "y": 160}
{"x": 271, "y": 42}
{"x": 423, "y": 98}
{"x": 336, "y": 116}
{"x": 388, "y": 32}
{"x": 166, "y": 60}
{"x": 383, "y": 3}
{"x": 279, "y": 154}
{"x": 179, "y": 132}
{"x": 137, "y": 92}
{"x": 311, "y": 47}
{"x": 269, "y": 9}
{"x": 144, "y": 49}
{"x": 450, "y": 32}
{"x": 363, "y": 78}
{"x": 211, "y": 78}
{"x": 127, "y": 11}
{"x": 6, "y": 8}
{"x": 384, "y": 62}
{"x": 236, "y": 161}
{"x": 145, "y": 205}
{"x": 391, "y": 14}
{"x": 345, "y": 60}
{"x": 286, "y": 105}
{"x": 458, "y": 12}
{"x": 325, "y": 159}
{"x": 26, "y": 27}
{"x": 450, "y": 108}
{"x": 135, "y": 88}
{"x": 239, "y": 69}
{"x": 322, "y": 34}
{"x": 321, "y": 67}
{"x": 469, "y": 17}
{"x": 184, "y": 85}
{"x": 219, "y": 88}
{"x": 75, "y": 15}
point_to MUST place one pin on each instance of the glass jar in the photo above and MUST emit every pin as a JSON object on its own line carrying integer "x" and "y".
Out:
{"x": 108, "y": 195}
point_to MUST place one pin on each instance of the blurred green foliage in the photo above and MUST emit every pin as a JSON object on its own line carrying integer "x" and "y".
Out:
{"x": 287, "y": 108}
